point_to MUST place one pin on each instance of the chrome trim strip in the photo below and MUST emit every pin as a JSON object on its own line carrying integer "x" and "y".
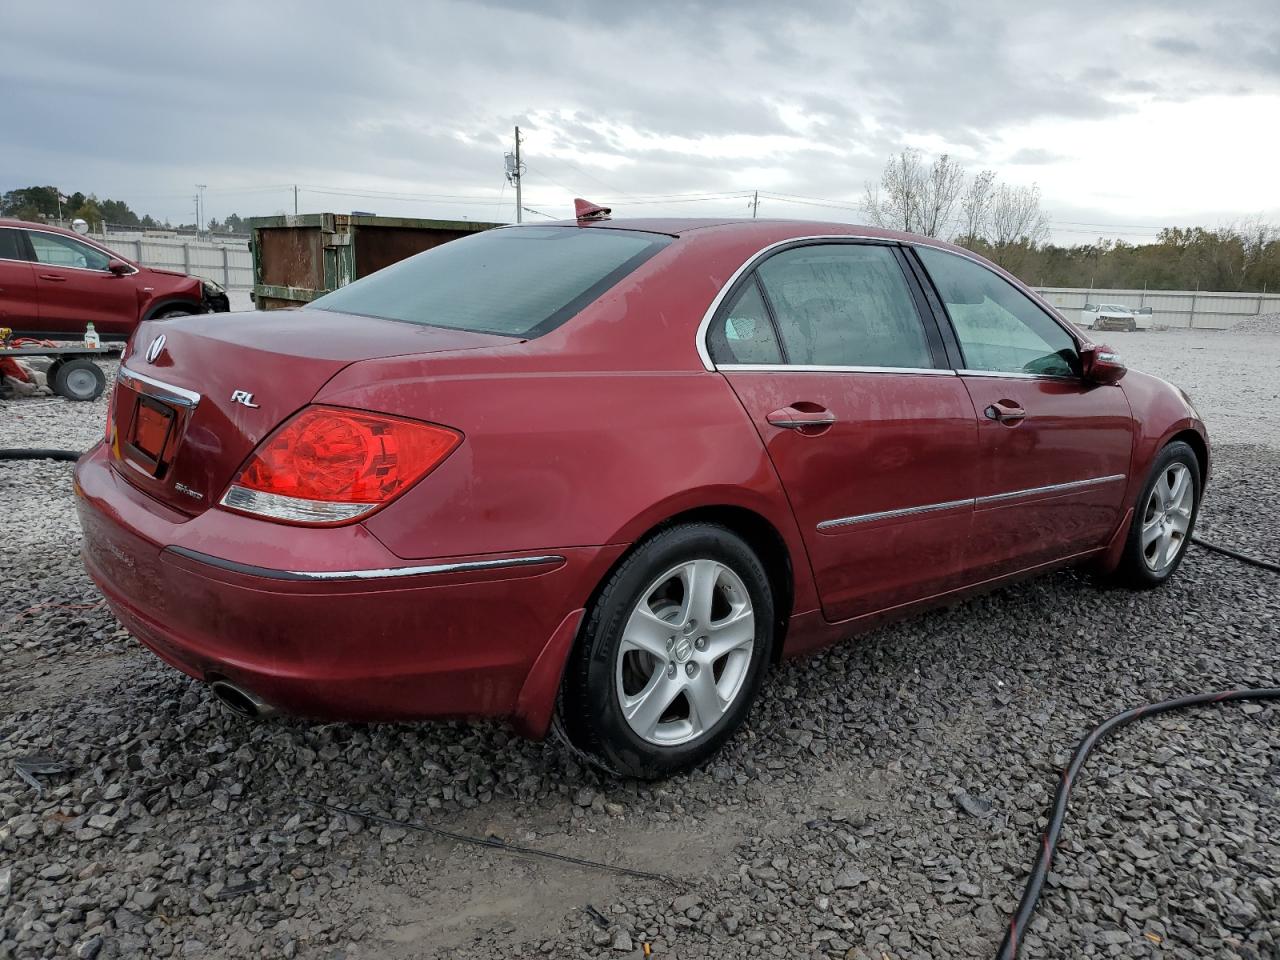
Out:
{"x": 887, "y": 514}
{"x": 974, "y": 502}
{"x": 801, "y": 424}
{"x": 1001, "y": 375}
{"x": 179, "y": 395}
{"x": 381, "y": 573}
{"x": 819, "y": 368}
{"x": 700, "y": 338}
{"x": 1050, "y": 488}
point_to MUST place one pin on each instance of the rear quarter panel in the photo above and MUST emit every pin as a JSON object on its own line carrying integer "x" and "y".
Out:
{"x": 560, "y": 459}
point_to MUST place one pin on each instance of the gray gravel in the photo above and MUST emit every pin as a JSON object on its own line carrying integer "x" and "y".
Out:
{"x": 883, "y": 801}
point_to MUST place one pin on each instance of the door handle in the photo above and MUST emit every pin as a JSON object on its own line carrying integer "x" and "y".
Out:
{"x": 54, "y": 277}
{"x": 1005, "y": 411}
{"x": 795, "y": 418}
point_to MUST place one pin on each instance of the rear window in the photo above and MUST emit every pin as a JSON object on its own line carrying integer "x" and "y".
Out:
{"x": 515, "y": 281}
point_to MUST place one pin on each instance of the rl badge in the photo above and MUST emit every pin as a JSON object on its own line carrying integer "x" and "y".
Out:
{"x": 244, "y": 397}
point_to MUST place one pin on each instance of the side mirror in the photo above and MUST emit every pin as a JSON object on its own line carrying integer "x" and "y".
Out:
{"x": 119, "y": 267}
{"x": 1101, "y": 364}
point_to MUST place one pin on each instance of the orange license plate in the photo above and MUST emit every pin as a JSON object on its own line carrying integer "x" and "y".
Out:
{"x": 151, "y": 426}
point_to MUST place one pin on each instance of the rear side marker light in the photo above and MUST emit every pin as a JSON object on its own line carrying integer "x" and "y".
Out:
{"x": 329, "y": 465}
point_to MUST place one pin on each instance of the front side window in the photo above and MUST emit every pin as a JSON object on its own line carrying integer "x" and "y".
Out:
{"x": 845, "y": 305}
{"x": 514, "y": 281}
{"x": 55, "y": 250}
{"x": 1000, "y": 328}
{"x": 11, "y": 245}
{"x": 743, "y": 332}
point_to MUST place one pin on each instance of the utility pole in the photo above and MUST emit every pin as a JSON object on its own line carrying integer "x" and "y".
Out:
{"x": 295, "y": 199}
{"x": 755, "y": 203}
{"x": 514, "y": 175}
{"x": 200, "y": 210}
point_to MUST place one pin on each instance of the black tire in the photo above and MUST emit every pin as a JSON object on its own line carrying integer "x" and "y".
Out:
{"x": 1134, "y": 569}
{"x": 590, "y": 712}
{"x": 170, "y": 312}
{"x": 79, "y": 379}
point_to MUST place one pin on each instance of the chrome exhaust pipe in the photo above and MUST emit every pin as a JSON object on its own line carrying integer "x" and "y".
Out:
{"x": 239, "y": 700}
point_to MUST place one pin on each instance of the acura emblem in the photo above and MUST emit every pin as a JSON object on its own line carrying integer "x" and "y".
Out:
{"x": 156, "y": 348}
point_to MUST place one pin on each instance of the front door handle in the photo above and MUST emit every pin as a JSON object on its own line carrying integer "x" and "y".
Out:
{"x": 800, "y": 418}
{"x": 1005, "y": 411}
{"x": 54, "y": 277}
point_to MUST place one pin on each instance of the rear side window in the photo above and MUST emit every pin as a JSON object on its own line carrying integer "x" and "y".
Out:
{"x": 1000, "y": 328}
{"x": 10, "y": 245}
{"x": 844, "y": 305}
{"x": 516, "y": 281}
{"x": 743, "y": 333}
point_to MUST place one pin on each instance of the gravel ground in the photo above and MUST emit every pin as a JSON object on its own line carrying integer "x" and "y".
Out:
{"x": 884, "y": 800}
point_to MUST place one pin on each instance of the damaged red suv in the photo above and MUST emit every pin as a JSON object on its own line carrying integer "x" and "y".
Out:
{"x": 600, "y": 475}
{"x": 54, "y": 282}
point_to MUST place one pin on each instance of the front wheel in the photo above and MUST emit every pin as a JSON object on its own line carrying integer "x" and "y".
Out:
{"x": 1164, "y": 519}
{"x": 671, "y": 655}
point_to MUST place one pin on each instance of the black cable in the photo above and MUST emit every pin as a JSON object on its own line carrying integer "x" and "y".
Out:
{"x": 494, "y": 843}
{"x": 33, "y": 453}
{"x": 1057, "y": 813}
{"x": 1242, "y": 557}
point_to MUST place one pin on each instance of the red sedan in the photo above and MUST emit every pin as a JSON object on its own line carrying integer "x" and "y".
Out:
{"x": 602, "y": 474}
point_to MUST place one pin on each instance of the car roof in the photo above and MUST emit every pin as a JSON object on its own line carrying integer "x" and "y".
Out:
{"x": 10, "y": 222}
{"x": 780, "y": 228}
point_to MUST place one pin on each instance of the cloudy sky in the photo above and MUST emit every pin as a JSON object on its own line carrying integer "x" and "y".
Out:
{"x": 1128, "y": 115}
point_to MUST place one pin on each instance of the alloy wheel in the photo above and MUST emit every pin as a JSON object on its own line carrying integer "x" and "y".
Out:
{"x": 685, "y": 652}
{"x": 1167, "y": 517}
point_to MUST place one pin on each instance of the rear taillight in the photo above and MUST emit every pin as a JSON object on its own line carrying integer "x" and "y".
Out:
{"x": 331, "y": 465}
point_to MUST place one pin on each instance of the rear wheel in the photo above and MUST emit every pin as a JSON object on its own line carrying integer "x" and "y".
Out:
{"x": 1164, "y": 519}
{"x": 79, "y": 379}
{"x": 671, "y": 655}
{"x": 172, "y": 312}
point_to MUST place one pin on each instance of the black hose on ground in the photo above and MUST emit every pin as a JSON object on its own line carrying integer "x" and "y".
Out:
{"x": 1058, "y": 811}
{"x": 1234, "y": 555}
{"x": 32, "y": 453}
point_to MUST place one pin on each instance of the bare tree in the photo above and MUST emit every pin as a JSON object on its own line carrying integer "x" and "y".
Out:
{"x": 914, "y": 197}
{"x": 893, "y": 204}
{"x": 1017, "y": 223}
{"x": 937, "y": 201}
{"x": 975, "y": 207}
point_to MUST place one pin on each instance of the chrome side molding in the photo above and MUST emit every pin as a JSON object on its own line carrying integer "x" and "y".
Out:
{"x": 381, "y": 573}
{"x": 970, "y": 502}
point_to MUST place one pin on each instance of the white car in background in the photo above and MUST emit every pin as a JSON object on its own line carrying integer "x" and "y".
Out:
{"x": 1115, "y": 316}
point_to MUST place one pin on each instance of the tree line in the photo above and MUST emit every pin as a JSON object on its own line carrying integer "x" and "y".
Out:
{"x": 47, "y": 203}
{"x": 1007, "y": 224}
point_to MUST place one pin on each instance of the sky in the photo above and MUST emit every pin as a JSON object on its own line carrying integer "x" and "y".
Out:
{"x": 1128, "y": 115}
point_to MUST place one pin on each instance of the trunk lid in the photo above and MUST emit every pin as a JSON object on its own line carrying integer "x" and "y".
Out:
{"x": 189, "y": 413}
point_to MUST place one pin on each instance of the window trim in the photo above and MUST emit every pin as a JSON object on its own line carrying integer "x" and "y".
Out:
{"x": 748, "y": 272}
{"x": 111, "y": 254}
{"x": 953, "y": 340}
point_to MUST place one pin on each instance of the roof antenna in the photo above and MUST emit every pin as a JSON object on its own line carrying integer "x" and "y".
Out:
{"x": 586, "y": 210}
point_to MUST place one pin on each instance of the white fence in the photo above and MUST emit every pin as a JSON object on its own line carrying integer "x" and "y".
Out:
{"x": 228, "y": 262}
{"x": 1179, "y": 309}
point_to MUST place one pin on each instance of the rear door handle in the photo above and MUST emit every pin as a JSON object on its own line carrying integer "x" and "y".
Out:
{"x": 54, "y": 277}
{"x": 1005, "y": 411}
{"x": 793, "y": 418}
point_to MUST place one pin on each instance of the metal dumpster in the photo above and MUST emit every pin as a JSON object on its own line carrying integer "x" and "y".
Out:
{"x": 298, "y": 258}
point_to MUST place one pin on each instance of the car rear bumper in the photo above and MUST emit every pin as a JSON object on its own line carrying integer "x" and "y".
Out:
{"x": 365, "y": 638}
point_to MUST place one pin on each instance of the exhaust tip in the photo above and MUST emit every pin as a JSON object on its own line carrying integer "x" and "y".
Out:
{"x": 240, "y": 701}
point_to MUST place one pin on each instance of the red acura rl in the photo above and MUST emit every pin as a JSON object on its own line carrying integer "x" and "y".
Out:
{"x": 601, "y": 474}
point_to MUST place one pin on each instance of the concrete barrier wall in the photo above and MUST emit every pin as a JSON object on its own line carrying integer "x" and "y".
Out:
{"x": 227, "y": 262}
{"x": 1177, "y": 309}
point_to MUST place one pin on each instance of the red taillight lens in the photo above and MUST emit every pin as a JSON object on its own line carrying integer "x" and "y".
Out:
{"x": 331, "y": 465}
